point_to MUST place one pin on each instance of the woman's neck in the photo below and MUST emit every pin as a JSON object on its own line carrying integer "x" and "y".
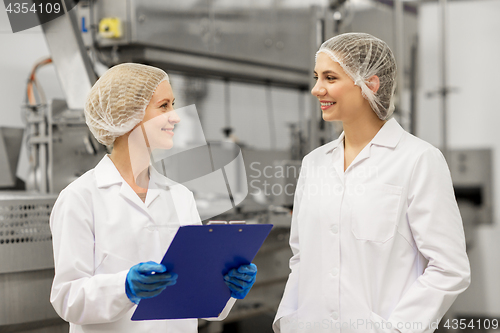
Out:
{"x": 131, "y": 156}
{"x": 358, "y": 133}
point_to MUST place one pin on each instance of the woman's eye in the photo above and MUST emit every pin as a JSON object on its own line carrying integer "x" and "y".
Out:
{"x": 330, "y": 78}
{"x": 315, "y": 78}
{"x": 166, "y": 106}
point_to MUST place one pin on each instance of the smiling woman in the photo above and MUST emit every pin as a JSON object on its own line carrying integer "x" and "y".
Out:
{"x": 369, "y": 63}
{"x": 340, "y": 99}
{"x": 160, "y": 118}
{"x": 112, "y": 226}
{"x": 118, "y": 100}
{"x": 378, "y": 243}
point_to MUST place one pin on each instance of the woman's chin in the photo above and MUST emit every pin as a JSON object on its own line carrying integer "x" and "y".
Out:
{"x": 167, "y": 145}
{"x": 163, "y": 146}
{"x": 330, "y": 117}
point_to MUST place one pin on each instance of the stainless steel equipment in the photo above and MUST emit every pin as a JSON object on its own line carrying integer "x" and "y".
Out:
{"x": 10, "y": 146}
{"x": 270, "y": 44}
{"x": 471, "y": 172}
{"x": 61, "y": 146}
{"x": 70, "y": 58}
{"x": 73, "y": 150}
{"x": 239, "y": 41}
{"x": 27, "y": 267}
{"x": 76, "y": 75}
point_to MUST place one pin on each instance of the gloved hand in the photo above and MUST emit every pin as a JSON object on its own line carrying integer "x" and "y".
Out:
{"x": 240, "y": 280}
{"x": 146, "y": 280}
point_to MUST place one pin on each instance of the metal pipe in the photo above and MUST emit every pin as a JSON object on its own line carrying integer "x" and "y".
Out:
{"x": 227, "y": 109}
{"x": 42, "y": 154}
{"x": 69, "y": 55}
{"x": 317, "y": 38}
{"x": 33, "y": 179}
{"x": 413, "y": 86}
{"x": 444, "y": 83}
{"x": 50, "y": 154}
{"x": 400, "y": 59}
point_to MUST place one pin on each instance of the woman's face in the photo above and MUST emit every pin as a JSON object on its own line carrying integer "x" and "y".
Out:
{"x": 340, "y": 98}
{"x": 160, "y": 118}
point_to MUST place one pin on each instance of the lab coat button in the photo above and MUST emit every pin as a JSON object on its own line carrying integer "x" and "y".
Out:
{"x": 335, "y": 272}
{"x": 335, "y": 316}
{"x": 335, "y": 228}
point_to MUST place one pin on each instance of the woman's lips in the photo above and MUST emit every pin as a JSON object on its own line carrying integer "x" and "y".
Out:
{"x": 326, "y": 104}
{"x": 168, "y": 130}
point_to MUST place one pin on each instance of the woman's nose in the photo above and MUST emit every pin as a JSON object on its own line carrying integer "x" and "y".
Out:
{"x": 173, "y": 117}
{"x": 318, "y": 90}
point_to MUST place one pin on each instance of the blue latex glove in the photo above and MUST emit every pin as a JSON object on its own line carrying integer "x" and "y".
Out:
{"x": 146, "y": 280}
{"x": 240, "y": 280}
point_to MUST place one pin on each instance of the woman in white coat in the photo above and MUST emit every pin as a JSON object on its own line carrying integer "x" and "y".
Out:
{"x": 112, "y": 226}
{"x": 376, "y": 235}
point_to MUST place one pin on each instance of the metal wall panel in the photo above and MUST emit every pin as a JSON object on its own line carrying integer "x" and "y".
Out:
{"x": 26, "y": 260}
{"x": 26, "y": 298}
{"x": 25, "y": 238}
{"x": 265, "y": 36}
{"x": 268, "y": 44}
{"x": 68, "y": 53}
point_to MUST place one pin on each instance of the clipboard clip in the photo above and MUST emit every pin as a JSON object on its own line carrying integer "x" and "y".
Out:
{"x": 225, "y": 222}
{"x": 216, "y": 222}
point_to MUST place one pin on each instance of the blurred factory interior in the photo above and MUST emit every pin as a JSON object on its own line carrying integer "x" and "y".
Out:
{"x": 247, "y": 66}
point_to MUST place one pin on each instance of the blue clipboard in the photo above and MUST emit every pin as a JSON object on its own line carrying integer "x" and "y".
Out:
{"x": 201, "y": 255}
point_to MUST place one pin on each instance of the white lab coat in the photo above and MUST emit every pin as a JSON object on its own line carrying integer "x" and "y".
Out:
{"x": 100, "y": 229}
{"x": 377, "y": 248}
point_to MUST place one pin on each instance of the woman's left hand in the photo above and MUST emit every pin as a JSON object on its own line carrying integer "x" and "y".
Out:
{"x": 240, "y": 280}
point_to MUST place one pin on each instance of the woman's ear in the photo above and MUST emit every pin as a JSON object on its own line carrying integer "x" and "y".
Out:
{"x": 373, "y": 83}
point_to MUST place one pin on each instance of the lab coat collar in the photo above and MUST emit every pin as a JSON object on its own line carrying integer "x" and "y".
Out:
{"x": 336, "y": 143}
{"x": 157, "y": 184}
{"x": 388, "y": 136}
{"x": 106, "y": 173}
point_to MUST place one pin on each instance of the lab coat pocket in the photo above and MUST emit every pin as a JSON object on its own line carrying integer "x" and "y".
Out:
{"x": 375, "y": 211}
{"x": 380, "y": 325}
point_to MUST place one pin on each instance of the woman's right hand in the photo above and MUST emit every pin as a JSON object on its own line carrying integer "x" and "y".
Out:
{"x": 146, "y": 280}
{"x": 240, "y": 280}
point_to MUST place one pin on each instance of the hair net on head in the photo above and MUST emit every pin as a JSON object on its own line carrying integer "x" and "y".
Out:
{"x": 118, "y": 100}
{"x": 362, "y": 56}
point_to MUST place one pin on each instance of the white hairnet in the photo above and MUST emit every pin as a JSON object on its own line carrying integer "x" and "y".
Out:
{"x": 362, "y": 56}
{"x": 118, "y": 100}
